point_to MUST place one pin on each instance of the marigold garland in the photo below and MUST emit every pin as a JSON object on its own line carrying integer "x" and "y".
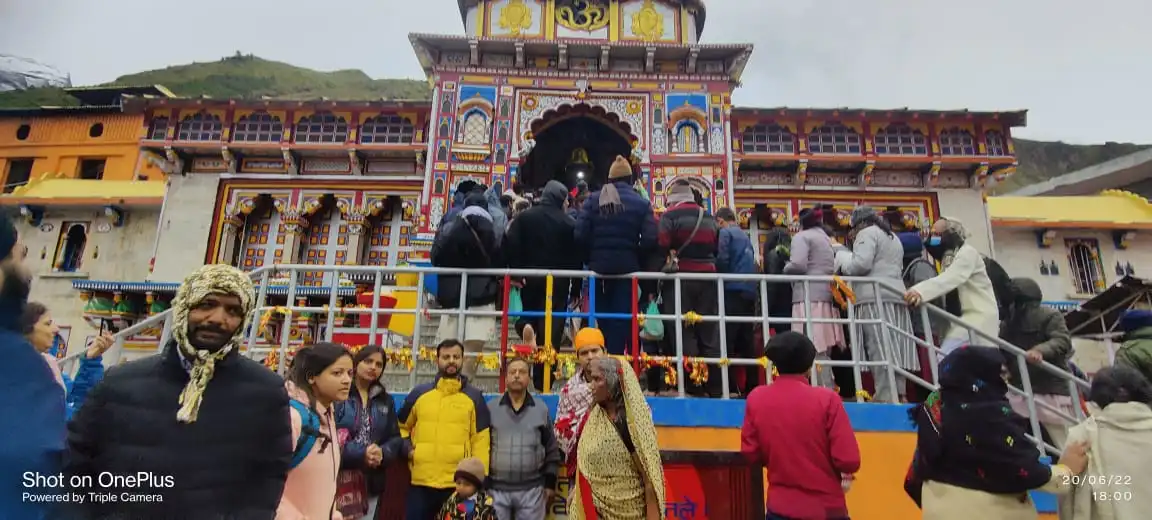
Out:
{"x": 691, "y": 318}
{"x": 842, "y": 293}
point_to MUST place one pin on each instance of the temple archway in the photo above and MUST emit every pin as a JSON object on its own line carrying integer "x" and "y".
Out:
{"x": 558, "y": 138}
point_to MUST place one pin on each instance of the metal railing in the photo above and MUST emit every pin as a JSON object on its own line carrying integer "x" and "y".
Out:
{"x": 413, "y": 358}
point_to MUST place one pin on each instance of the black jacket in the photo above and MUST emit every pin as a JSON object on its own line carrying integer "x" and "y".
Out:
{"x": 384, "y": 431}
{"x": 230, "y": 463}
{"x": 455, "y": 245}
{"x": 543, "y": 237}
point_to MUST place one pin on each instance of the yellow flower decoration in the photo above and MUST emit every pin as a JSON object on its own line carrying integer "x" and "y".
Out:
{"x": 633, "y": 108}
{"x": 691, "y": 318}
{"x": 863, "y": 394}
{"x": 699, "y": 373}
{"x": 842, "y": 292}
{"x": 403, "y": 357}
{"x": 640, "y": 319}
{"x": 1010, "y": 441}
{"x": 763, "y": 362}
{"x": 725, "y": 362}
{"x": 490, "y": 361}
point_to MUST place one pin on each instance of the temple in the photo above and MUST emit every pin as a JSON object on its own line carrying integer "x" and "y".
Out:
{"x": 534, "y": 90}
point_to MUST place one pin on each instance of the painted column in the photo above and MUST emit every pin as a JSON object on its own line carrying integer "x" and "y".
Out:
{"x": 295, "y": 225}
{"x": 431, "y": 136}
{"x": 230, "y": 229}
{"x": 357, "y": 224}
{"x": 731, "y": 185}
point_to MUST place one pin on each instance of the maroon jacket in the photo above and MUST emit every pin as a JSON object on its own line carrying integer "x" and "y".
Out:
{"x": 676, "y": 224}
{"x": 801, "y": 434}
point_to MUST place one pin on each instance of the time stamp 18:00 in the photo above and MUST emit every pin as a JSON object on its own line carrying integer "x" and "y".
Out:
{"x": 104, "y": 487}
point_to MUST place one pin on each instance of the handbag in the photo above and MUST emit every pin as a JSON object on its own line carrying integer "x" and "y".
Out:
{"x": 672, "y": 263}
{"x": 653, "y": 329}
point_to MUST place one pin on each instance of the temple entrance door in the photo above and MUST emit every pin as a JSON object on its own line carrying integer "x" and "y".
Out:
{"x": 571, "y": 145}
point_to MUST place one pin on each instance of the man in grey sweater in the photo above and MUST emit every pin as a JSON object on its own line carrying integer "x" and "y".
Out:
{"x": 525, "y": 453}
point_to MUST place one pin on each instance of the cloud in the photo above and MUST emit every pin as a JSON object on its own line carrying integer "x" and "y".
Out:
{"x": 1080, "y": 68}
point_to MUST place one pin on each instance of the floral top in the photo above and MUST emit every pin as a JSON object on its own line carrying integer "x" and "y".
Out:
{"x": 575, "y": 401}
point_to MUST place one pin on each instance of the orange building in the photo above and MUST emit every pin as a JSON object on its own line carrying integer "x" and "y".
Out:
{"x": 93, "y": 141}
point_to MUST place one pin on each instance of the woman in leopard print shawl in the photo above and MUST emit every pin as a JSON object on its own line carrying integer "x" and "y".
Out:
{"x": 608, "y": 486}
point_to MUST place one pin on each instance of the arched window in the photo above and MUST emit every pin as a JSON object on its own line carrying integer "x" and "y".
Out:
{"x": 475, "y": 131}
{"x": 957, "y": 141}
{"x": 387, "y": 129}
{"x": 501, "y": 155}
{"x": 258, "y": 127}
{"x": 264, "y": 237}
{"x": 438, "y": 186}
{"x": 323, "y": 127}
{"x": 70, "y": 250}
{"x": 687, "y": 138}
{"x": 834, "y": 138}
{"x": 442, "y": 152}
{"x": 995, "y": 142}
{"x": 445, "y": 130}
{"x": 1087, "y": 270}
{"x": 769, "y": 139}
{"x": 158, "y": 128}
{"x": 326, "y": 242}
{"x": 899, "y": 139}
{"x": 200, "y": 126}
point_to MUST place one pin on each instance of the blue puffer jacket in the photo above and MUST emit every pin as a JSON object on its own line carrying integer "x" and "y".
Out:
{"x": 91, "y": 372}
{"x": 735, "y": 255}
{"x": 618, "y": 243}
{"x": 384, "y": 431}
{"x": 33, "y": 422}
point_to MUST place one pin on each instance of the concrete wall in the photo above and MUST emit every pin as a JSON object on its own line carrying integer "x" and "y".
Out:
{"x": 120, "y": 253}
{"x": 968, "y": 206}
{"x": 186, "y": 225}
{"x": 1018, "y": 252}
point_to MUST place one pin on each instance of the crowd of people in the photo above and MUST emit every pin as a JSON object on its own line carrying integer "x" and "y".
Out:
{"x": 200, "y": 431}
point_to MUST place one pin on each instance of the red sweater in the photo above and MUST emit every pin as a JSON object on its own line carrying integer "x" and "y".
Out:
{"x": 802, "y": 435}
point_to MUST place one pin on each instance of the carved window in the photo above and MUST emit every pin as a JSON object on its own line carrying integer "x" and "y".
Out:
{"x": 158, "y": 129}
{"x": 258, "y": 127}
{"x": 834, "y": 139}
{"x": 769, "y": 139}
{"x": 201, "y": 126}
{"x": 70, "y": 247}
{"x": 901, "y": 140}
{"x": 475, "y": 131}
{"x": 326, "y": 243}
{"x": 687, "y": 138}
{"x": 324, "y": 127}
{"x": 501, "y": 155}
{"x": 995, "y": 142}
{"x": 1087, "y": 269}
{"x": 956, "y": 141}
{"x": 386, "y": 129}
{"x": 264, "y": 235}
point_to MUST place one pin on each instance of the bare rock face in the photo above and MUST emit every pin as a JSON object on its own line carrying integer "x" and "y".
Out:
{"x": 18, "y": 73}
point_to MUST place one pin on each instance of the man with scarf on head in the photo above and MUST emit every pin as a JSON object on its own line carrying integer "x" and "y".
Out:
{"x": 469, "y": 242}
{"x": 963, "y": 271}
{"x": 210, "y": 426}
{"x": 32, "y": 414}
{"x": 618, "y": 231}
{"x": 543, "y": 237}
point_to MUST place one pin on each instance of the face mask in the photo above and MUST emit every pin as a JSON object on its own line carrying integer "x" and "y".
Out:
{"x": 934, "y": 241}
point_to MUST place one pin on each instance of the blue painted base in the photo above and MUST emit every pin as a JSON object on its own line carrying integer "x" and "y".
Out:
{"x": 729, "y": 413}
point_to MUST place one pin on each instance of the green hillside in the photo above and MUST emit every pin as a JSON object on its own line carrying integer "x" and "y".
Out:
{"x": 249, "y": 77}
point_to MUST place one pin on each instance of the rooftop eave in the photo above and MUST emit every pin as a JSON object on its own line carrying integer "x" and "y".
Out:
{"x": 82, "y": 202}
{"x": 1011, "y": 119}
{"x": 1024, "y": 223}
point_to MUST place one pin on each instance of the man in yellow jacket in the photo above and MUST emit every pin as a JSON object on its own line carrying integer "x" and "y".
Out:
{"x": 444, "y": 422}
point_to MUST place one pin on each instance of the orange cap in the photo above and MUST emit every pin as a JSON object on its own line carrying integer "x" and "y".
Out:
{"x": 588, "y": 337}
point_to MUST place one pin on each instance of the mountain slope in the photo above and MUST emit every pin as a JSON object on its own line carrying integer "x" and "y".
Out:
{"x": 249, "y": 77}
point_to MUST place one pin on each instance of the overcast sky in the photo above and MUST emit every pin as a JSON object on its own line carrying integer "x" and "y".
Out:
{"x": 1083, "y": 69}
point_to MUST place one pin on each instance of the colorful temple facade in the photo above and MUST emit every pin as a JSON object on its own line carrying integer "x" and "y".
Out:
{"x": 534, "y": 90}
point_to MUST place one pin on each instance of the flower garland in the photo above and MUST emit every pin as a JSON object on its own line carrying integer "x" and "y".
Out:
{"x": 842, "y": 293}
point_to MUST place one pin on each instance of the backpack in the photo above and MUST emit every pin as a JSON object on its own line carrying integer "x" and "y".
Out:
{"x": 309, "y": 432}
{"x": 1001, "y": 285}
{"x": 907, "y": 276}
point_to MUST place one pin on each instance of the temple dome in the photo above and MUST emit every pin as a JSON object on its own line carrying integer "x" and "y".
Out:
{"x": 697, "y": 5}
